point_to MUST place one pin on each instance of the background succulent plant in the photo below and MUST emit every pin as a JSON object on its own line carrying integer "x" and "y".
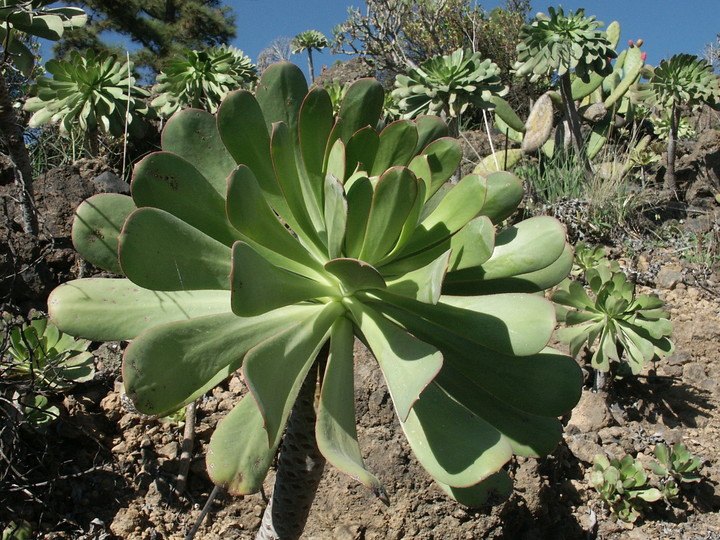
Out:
{"x": 629, "y": 329}
{"x": 308, "y": 41}
{"x": 684, "y": 80}
{"x": 94, "y": 93}
{"x": 447, "y": 85}
{"x": 202, "y": 79}
{"x": 381, "y": 248}
{"x": 559, "y": 43}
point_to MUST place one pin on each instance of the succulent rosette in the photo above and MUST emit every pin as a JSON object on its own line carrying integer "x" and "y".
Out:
{"x": 258, "y": 236}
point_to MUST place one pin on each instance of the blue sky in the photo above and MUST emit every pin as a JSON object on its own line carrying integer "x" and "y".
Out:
{"x": 666, "y": 26}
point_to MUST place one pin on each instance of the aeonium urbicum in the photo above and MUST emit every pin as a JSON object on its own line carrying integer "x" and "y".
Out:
{"x": 256, "y": 237}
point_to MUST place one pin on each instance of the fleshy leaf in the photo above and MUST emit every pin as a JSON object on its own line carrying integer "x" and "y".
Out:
{"x": 361, "y": 107}
{"x": 423, "y": 284}
{"x": 250, "y": 214}
{"x": 96, "y": 228}
{"x": 117, "y": 309}
{"x": 161, "y": 252}
{"x": 161, "y": 370}
{"x": 276, "y": 368}
{"x": 193, "y": 134}
{"x": 456, "y": 447}
{"x": 168, "y": 182}
{"x": 355, "y": 275}
{"x": 496, "y": 487}
{"x": 396, "y": 147}
{"x": 335, "y": 429}
{"x": 336, "y": 215}
{"x": 529, "y": 435}
{"x": 407, "y": 363}
{"x": 393, "y": 200}
{"x": 259, "y": 286}
{"x": 316, "y": 122}
{"x": 280, "y": 93}
{"x": 473, "y": 244}
{"x": 239, "y": 455}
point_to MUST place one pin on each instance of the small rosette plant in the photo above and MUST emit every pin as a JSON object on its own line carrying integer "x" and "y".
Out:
{"x": 628, "y": 329}
{"x": 557, "y": 42}
{"x": 51, "y": 359}
{"x": 623, "y": 485}
{"x": 201, "y": 79}
{"x": 675, "y": 467}
{"x": 257, "y": 237}
{"x": 448, "y": 84}
{"x": 96, "y": 93}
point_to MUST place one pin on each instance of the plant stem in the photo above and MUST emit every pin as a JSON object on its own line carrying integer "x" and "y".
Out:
{"x": 300, "y": 467}
{"x": 311, "y": 69}
{"x": 13, "y": 133}
{"x": 670, "y": 178}
{"x": 574, "y": 123}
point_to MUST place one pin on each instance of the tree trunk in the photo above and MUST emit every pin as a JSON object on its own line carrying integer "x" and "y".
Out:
{"x": 670, "y": 178}
{"x": 310, "y": 65}
{"x": 299, "y": 470}
{"x": 14, "y": 137}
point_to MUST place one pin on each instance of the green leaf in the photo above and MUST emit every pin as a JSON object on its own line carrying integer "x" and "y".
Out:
{"x": 528, "y": 434}
{"x": 461, "y": 204}
{"x": 361, "y": 107}
{"x": 159, "y": 251}
{"x": 473, "y": 244}
{"x": 496, "y": 487}
{"x": 316, "y": 123}
{"x": 423, "y": 284}
{"x": 519, "y": 324}
{"x": 504, "y": 193}
{"x": 259, "y": 286}
{"x": 336, "y": 215}
{"x": 117, "y": 309}
{"x": 250, "y": 214}
{"x": 430, "y": 128}
{"x": 335, "y": 429}
{"x": 355, "y": 275}
{"x": 249, "y": 144}
{"x": 396, "y": 146}
{"x": 361, "y": 150}
{"x": 393, "y": 201}
{"x": 239, "y": 454}
{"x": 172, "y": 364}
{"x": 168, "y": 182}
{"x": 407, "y": 363}
{"x": 193, "y": 134}
{"x": 360, "y": 199}
{"x": 300, "y": 196}
{"x": 96, "y": 228}
{"x": 529, "y": 246}
{"x": 456, "y": 447}
{"x": 280, "y": 93}
{"x": 276, "y": 368}
{"x": 444, "y": 156}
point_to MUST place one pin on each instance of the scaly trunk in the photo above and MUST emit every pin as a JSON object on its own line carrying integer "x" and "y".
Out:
{"x": 14, "y": 137}
{"x": 670, "y": 178}
{"x": 299, "y": 470}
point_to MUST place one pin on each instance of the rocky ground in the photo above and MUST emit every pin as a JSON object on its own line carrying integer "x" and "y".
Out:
{"x": 102, "y": 471}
